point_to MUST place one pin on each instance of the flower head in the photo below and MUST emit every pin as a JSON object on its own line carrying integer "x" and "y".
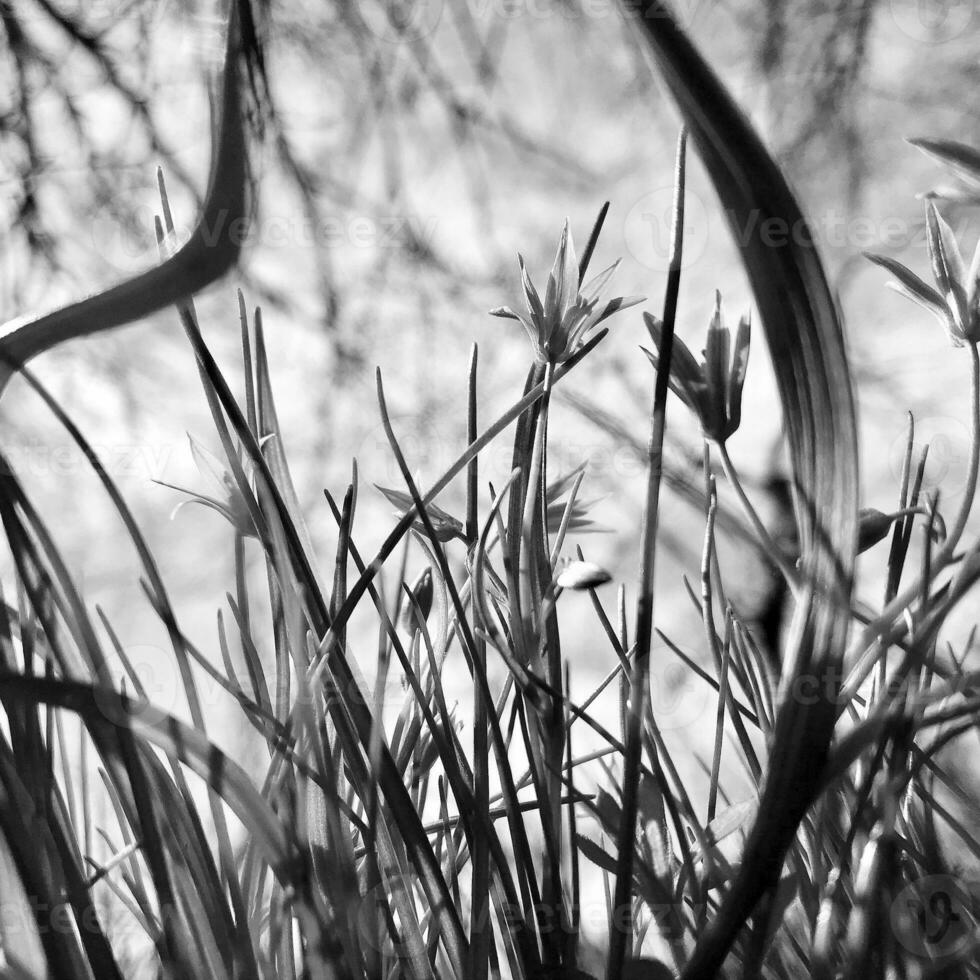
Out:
{"x": 579, "y": 519}
{"x": 229, "y": 501}
{"x": 559, "y": 324}
{"x": 713, "y": 388}
{"x": 445, "y": 526}
{"x": 448, "y": 527}
{"x": 956, "y": 300}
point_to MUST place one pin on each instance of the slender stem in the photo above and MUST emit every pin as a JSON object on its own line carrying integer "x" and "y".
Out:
{"x": 583, "y": 265}
{"x": 621, "y": 927}
{"x": 879, "y": 632}
{"x": 971, "y": 478}
{"x": 411, "y": 515}
{"x": 527, "y": 563}
{"x": 480, "y": 931}
{"x": 774, "y": 552}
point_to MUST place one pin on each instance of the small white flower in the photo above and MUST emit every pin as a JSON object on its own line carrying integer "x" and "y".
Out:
{"x": 581, "y": 575}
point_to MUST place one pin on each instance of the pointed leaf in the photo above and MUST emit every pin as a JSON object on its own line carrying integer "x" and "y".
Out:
{"x": 504, "y": 311}
{"x": 973, "y": 275}
{"x": 802, "y": 326}
{"x": 911, "y": 284}
{"x": 947, "y": 263}
{"x": 564, "y": 273}
{"x": 557, "y": 487}
{"x": 740, "y": 363}
{"x": 614, "y": 306}
{"x": 964, "y": 160}
{"x": 596, "y": 854}
{"x": 717, "y": 356}
{"x": 591, "y": 290}
{"x": 530, "y": 292}
{"x": 683, "y": 364}
{"x": 692, "y": 393}
{"x": 208, "y": 465}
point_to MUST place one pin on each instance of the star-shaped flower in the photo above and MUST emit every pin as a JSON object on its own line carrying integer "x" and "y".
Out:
{"x": 558, "y": 325}
{"x": 230, "y": 503}
{"x": 448, "y": 527}
{"x": 445, "y": 526}
{"x": 578, "y": 520}
{"x": 712, "y": 389}
{"x": 956, "y": 300}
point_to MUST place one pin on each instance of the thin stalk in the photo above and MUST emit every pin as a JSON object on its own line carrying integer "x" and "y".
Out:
{"x": 481, "y": 930}
{"x": 583, "y": 266}
{"x": 620, "y": 932}
{"x": 788, "y": 571}
{"x": 411, "y": 515}
{"x": 878, "y": 632}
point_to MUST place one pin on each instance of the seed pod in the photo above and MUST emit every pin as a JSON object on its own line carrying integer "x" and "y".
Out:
{"x": 421, "y": 591}
{"x": 873, "y": 525}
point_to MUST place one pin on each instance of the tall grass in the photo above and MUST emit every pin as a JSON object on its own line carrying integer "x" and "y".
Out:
{"x": 381, "y": 840}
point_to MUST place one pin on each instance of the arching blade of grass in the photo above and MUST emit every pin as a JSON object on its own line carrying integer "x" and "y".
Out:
{"x": 805, "y": 339}
{"x": 104, "y": 710}
{"x": 964, "y": 160}
{"x": 27, "y": 838}
{"x": 212, "y": 249}
{"x": 19, "y": 938}
{"x": 270, "y": 435}
{"x": 193, "y": 912}
{"x": 481, "y": 929}
{"x": 353, "y": 717}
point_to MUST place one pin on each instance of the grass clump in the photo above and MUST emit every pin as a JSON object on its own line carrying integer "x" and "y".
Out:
{"x": 381, "y": 840}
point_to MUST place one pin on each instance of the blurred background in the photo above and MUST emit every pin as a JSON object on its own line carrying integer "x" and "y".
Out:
{"x": 402, "y": 156}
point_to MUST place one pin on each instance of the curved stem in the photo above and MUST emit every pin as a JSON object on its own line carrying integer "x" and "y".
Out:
{"x": 878, "y": 631}
{"x": 210, "y": 252}
{"x": 789, "y": 571}
{"x": 796, "y": 579}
